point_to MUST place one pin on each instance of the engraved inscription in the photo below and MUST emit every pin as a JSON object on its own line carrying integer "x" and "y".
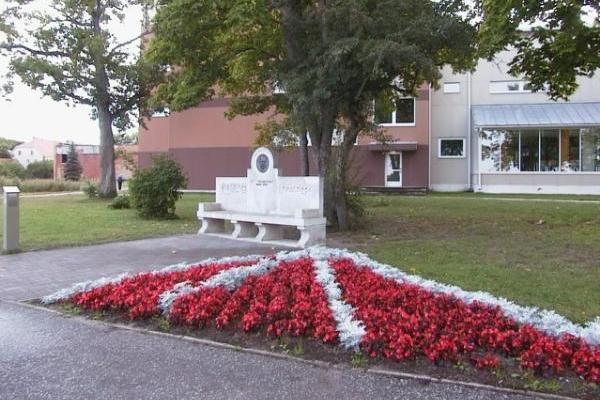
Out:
{"x": 229, "y": 188}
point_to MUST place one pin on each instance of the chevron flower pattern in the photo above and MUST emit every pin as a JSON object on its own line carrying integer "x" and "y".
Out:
{"x": 347, "y": 299}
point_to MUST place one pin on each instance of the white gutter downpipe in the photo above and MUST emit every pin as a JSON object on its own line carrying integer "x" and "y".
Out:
{"x": 429, "y": 140}
{"x": 470, "y": 134}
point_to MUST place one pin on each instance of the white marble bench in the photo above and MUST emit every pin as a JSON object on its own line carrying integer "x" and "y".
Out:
{"x": 263, "y": 227}
{"x": 261, "y": 206}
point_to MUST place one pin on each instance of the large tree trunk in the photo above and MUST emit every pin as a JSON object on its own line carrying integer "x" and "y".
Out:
{"x": 340, "y": 187}
{"x": 304, "y": 162}
{"x": 108, "y": 186}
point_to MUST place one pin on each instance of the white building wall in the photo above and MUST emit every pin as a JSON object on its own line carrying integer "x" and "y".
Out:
{"x": 451, "y": 117}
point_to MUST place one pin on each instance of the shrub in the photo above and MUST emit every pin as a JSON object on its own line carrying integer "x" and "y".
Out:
{"x": 90, "y": 189}
{"x": 72, "y": 169}
{"x": 120, "y": 202}
{"x": 40, "y": 170}
{"x": 12, "y": 170}
{"x": 155, "y": 190}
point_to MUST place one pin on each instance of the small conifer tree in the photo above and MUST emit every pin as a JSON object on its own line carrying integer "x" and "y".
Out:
{"x": 72, "y": 170}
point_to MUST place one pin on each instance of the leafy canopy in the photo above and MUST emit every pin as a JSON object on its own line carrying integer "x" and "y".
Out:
{"x": 561, "y": 40}
{"x": 67, "y": 50}
{"x": 330, "y": 58}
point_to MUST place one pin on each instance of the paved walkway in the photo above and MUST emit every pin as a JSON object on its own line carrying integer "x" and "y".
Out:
{"x": 34, "y": 274}
{"x": 49, "y": 356}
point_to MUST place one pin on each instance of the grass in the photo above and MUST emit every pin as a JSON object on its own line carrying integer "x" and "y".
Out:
{"x": 534, "y": 253}
{"x": 48, "y": 222}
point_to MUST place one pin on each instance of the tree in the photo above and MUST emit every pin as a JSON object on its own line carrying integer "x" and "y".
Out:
{"x": 72, "y": 168}
{"x": 556, "y": 40}
{"x": 329, "y": 58}
{"x": 68, "y": 52}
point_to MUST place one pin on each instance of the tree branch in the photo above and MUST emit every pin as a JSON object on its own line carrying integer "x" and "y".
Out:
{"x": 36, "y": 52}
{"x": 123, "y": 44}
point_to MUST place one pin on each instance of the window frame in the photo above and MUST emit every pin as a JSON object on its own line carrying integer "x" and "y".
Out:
{"x": 393, "y": 123}
{"x": 464, "y": 153}
{"x": 520, "y": 82}
{"x": 451, "y": 92}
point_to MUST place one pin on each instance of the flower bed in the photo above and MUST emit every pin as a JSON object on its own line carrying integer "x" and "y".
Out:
{"x": 337, "y": 296}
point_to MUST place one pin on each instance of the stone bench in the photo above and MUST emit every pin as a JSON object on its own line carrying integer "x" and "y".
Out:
{"x": 261, "y": 206}
{"x": 263, "y": 227}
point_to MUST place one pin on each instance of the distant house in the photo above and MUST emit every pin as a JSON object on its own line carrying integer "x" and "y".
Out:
{"x": 37, "y": 149}
{"x": 89, "y": 158}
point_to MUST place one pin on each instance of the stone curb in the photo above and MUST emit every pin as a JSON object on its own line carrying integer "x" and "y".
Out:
{"x": 314, "y": 363}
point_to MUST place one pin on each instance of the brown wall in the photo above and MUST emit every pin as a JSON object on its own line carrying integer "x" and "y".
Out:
{"x": 208, "y": 145}
{"x": 367, "y": 168}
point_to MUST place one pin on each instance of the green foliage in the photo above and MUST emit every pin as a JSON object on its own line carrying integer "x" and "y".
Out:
{"x": 155, "y": 190}
{"x": 70, "y": 52}
{"x": 12, "y": 170}
{"x": 559, "y": 47}
{"x": 120, "y": 202}
{"x": 6, "y": 145}
{"x": 40, "y": 185}
{"x": 359, "y": 360}
{"x": 72, "y": 168}
{"x": 331, "y": 59}
{"x": 90, "y": 189}
{"x": 40, "y": 170}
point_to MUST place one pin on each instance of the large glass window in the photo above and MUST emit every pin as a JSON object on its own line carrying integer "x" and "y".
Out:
{"x": 590, "y": 149}
{"x": 490, "y": 146}
{"x": 550, "y": 149}
{"x": 509, "y": 151}
{"x": 569, "y": 150}
{"x": 530, "y": 150}
{"x": 544, "y": 150}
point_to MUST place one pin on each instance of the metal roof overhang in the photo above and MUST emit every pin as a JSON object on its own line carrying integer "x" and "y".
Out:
{"x": 552, "y": 115}
{"x": 393, "y": 146}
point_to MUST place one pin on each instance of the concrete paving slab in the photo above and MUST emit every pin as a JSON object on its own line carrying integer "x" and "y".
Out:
{"x": 34, "y": 274}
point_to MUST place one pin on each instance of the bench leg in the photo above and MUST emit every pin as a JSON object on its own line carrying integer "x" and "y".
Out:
{"x": 212, "y": 225}
{"x": 269, "y": 232}
{"x": 311, "y": 235}
{"x": 243, "y": 229}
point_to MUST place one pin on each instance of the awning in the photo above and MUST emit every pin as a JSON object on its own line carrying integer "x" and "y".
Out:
{"x": 556, "y": 115}
{"x": 393, "y": 146}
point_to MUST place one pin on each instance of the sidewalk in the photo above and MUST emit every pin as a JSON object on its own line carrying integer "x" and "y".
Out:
{"x": 48, "y": 356}
{"x": 34, "y": 274}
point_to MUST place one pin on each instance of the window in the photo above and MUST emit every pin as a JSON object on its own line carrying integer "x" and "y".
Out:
{"x": 451, "y": 87}
{"x": 63, "y": 158}
{"x": 451, "y": 148}
{"x": 590, "y": 149}
{"x": 510, "y": 87}
{"x": 540, "y": 150}
{"x": 398, "y": 112}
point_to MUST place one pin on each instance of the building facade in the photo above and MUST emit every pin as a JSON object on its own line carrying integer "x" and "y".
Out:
{"x": 207, "y": 145}
{"x": 490, "y": 133}
{"x": 482, "y": 131}
{"x": 89, "y": 159}
{"x": 37, "y": 149}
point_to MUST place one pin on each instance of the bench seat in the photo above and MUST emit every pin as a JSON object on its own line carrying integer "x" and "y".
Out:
{"x": 263, "y": 227}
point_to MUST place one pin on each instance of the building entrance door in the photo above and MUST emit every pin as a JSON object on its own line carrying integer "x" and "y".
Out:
{"x": 393, "y": 169}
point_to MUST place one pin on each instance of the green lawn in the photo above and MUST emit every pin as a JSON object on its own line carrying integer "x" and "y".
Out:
{"x": 75, "y": 220}
{"x": 535, "y": 253}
